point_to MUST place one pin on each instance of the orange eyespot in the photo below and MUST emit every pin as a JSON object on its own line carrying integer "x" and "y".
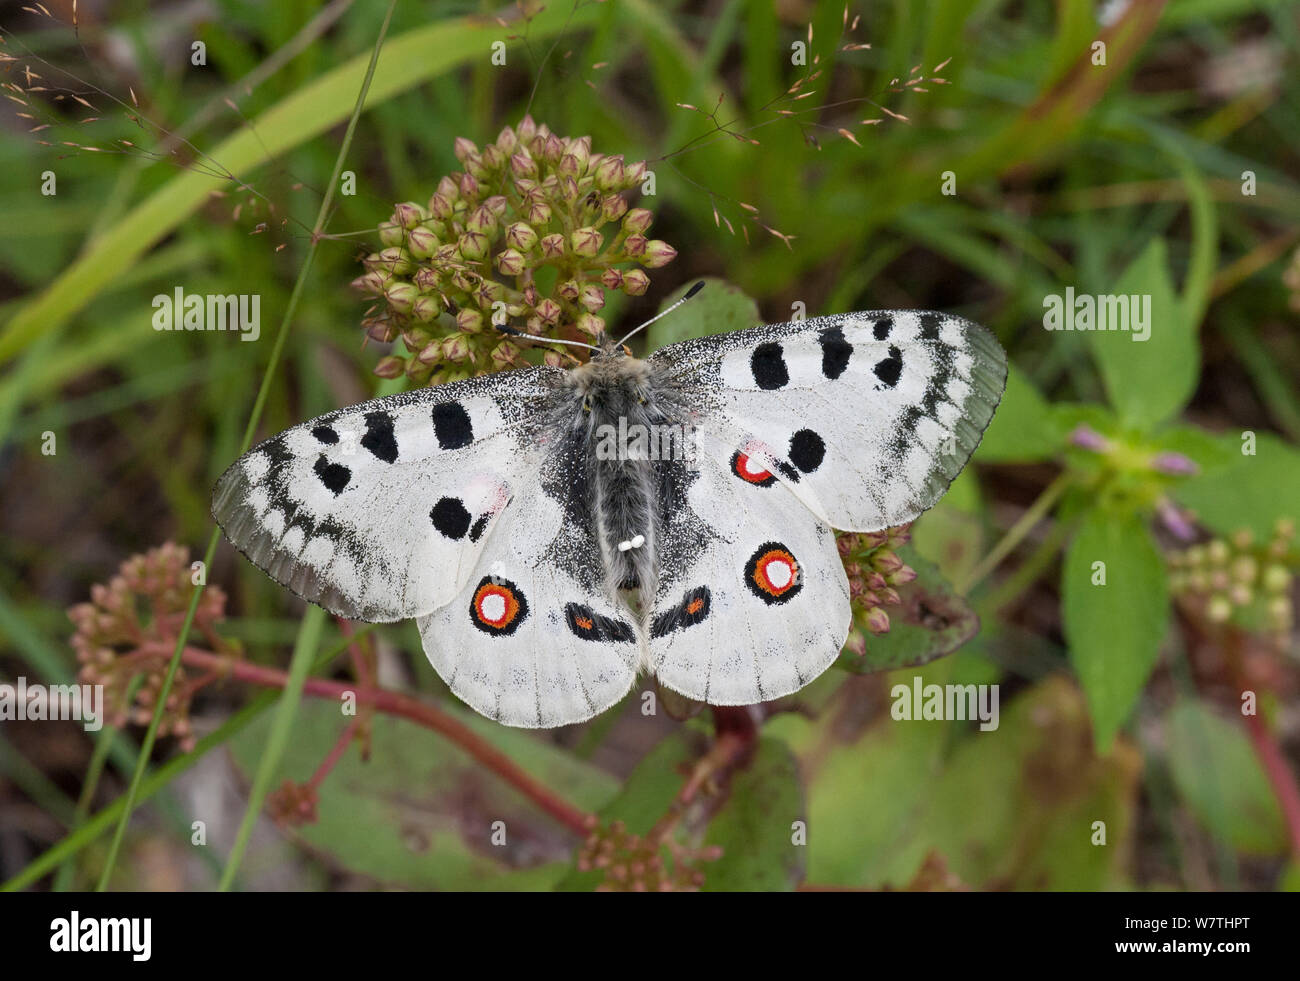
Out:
{"x": 695, "y": 605}
{"x": 583, "y": 622}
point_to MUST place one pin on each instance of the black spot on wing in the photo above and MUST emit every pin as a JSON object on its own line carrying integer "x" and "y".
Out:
{"x": 694, "y": 607}
{"x": 836, "y": 352}
{"x": 452, "y": 426}
{"x": 325, "y": 434}
{"x": 807, "y": 450}
{"x": 586, "y": 623}
{"x": 767, "y": 364}
{"x": 334, "y": 476}
{"x": 379, "y": 438}
{"x": 882, "y": 328}
{"x": 890, "y": 369}
{"x": 450, "y": 518}
{"x": 476, "y": 532}
{"x": 930, "y": 326}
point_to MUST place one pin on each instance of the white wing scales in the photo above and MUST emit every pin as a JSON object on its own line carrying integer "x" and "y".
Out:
{"x": 867, "y": 417}
{"x": 378, "y": 511}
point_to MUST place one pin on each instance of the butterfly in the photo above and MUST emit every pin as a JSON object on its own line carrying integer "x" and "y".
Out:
{"x": 556, "y": 532}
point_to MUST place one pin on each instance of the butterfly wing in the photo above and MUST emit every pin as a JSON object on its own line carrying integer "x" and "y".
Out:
{"x": 752, "y": 600}
{"x": 866, "y": 417}
{"x": 378, "y": 511}
{"x": 537, "y": 638}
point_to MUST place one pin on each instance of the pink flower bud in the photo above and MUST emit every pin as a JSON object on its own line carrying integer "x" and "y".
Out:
{"x": 658, "y": 253}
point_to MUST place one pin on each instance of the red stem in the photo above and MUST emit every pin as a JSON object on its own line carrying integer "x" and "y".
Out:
{"x": 1279, "y": 774}
{"x": 395, "y": 703}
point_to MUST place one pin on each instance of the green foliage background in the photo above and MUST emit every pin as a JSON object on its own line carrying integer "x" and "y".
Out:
{"x": 1120, "y": 704}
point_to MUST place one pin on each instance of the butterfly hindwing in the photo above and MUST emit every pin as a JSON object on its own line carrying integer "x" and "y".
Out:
{"x": 536, "y": 638}
{"x": 752, "y": 601}
{"x": 866, "y": 417}
{"x": 377, "y": 511}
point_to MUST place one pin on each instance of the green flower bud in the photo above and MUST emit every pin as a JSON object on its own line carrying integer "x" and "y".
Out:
{"x": 401, "y": 296}
{"x": 463, "y": 148}
{"x": 493, "y": 159}
{"x": 526, "y": 129}
{"x": 473, "y": 245}
{"x": 877, "y": 621}
{"x": 1219, "y": 579}
{"x": 613, "y": 208}
{"x": 635, "y": 282}
{"x": 418, "y": 371}
{"x": 416, "y": 337}
{"x": 468, "y": 187}
{"x": 391, "y": 233}
{"x": 390, "y": 367}
{"x": 538, "y": 212}
{"x": 1244, "y": 569}
{"x": 1284, "y": 528}
{"x": 633, "y": 174}
{"x": 381, "y": 331}
{"x": 523, "y": 166}
{"x": 612, "y": 278}
{"x": 1218, "y": 609}
{"x": 497, "y": 204}
{"x": 1242, "y": 538}
{"x": 426, "y": 279}
{"x": 504, "y": 354}
{"x": 592, "y": 297}
{"x": 609, "y": 173}
{"x": 856, "y": 644}
{"x": 449, "y": 189}
{"x": 573, "y": 161}
{"x": 469, "y": 321}
{"x": 520, "y": 236}
{"x": 507, "y": 141}
{"x": 635, "y": 245}
{"x": 568, "y": 289}
{"x": 552, "y": 246}
{"x": 637, "y": 220}
{"x": 1196, "y": 555}
{"x": 373, "y": 282}
{"x": 511, "y": 262}
{"x": 426, "y": 309}
{"x": 395, "y": 261}
{"x": 431, "y": 353}
{"x": 455, "y": 348}
{"x": 440, "y": 206}
{"x": 552, "y": 149}
{"x": 408, "y": 214}
{"x": 465, "y": 281}
{"x": 549, "y": 311}
{"x": 1240, "y": 594}
{"x": 1280, "y": 612}
{"x": 1217, "y": 551}
{"x": 586, "y": 242}
{"x": 422, "y": 243}
{"x": 590, "y": 324}
{"x": 1276, "y": 578}
{"x": 658, "y": 253}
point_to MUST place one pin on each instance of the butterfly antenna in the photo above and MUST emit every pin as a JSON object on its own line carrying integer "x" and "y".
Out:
{"x": 506, "y": 329}
{"x": 663, "y": 313}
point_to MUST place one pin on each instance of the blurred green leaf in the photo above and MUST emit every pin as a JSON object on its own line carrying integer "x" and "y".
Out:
{"x": 1219, "y": 776}
{"x": 1149, "y": 381}
{"x": 1114, "y": 630}
{"x": 1023, "y": 429}
{"x": 754, "y": 826}
{"x": 931, "y": 621}
{"x": 419, "y": 814}
{"x": 718, "y": 308}
{"x": 1252, "y": 492}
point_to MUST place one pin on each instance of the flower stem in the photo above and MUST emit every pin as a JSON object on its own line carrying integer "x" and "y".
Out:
{"x": 1017, "y": 532}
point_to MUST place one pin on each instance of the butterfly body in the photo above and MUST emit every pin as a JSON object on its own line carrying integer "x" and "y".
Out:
{"x": 557, "y": 532}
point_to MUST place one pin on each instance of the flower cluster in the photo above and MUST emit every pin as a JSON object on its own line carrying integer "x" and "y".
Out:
{"x": 874, "y": 570}
{"x": 519, "y": 238}
{"x": 130, "y": 627}
{"x": 1239, "y": 581}
{"x": 633, "y": 863}
{"x": 293, "y": 804}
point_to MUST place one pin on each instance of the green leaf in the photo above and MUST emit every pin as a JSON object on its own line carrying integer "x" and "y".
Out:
{"x": 1150, "y": 381}
{"x": 1023, "y": 429}
{"x": 716, "y": 309}
{"x": 1114, "y": 630}
{"x": 754, "y": 825}
{"x": 931, "y": 621}
{"x": 1219, "y": 776}
{"x": 1252, "y": 492}
{"x": 419, "y": 813}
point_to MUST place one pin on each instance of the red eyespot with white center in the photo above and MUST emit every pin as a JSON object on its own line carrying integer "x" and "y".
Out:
{"x": 498, "y": 607}
{"x": 750, "y": 470}
{"x": 772, "y": 573}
